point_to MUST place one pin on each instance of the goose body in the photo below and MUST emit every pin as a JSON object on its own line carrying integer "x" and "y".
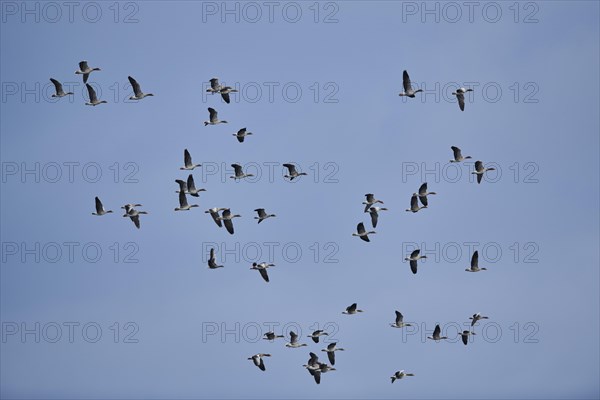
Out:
{"x": 227, "y": 218}
{"x": 262, "y": 215}
{"x": 317, "y": 334}
{"x": 215, "y": 87}
{"x": 480, "y": 170}
{"x": 436, "y": 334}
{"x": 458, "y": 157}
{"x": 257, "y": 359}
{"x": 133, "y": 214}
{"x": 272, "y": 336}
{"x": 362, "y": 232}
{"x": 239, "y": 173}
{"x": 292, "y": 172}
{"x": 475, "y": 263}
{"x": 93, "y": 98}
{"x": 476, "y": 317}
{"x": 100, "y": 208}
{"x": 399, "y": 375}
{"x": 213, "y": 118}
{"x": 191, "y": 187}
{"x": 423, "y": 193}
{"x": 374, "y": 212}
{"x": 408, "y": 90}
{"x": 414, "y": 204}
{"x": 241, "y": 135}
{"x": 465, "y": 336}
{"x": 414, "y": 257}
{"x": 225, "y": 90}
{"x": 399, "y": 323}
{"x": 183, "y": 203}
{"x": 370, "y": 201}
{"x": 460, "y": 96}
{"x": 294, "y": 341}
{"x": 212, "y": 261}
{"x": 330, "y": 350}
{"x": 187, "y": 161}
{"x": 137, "y": 90}
{"x": 351, "y": 309}
{"x": 58, "y": 88}
{"x": 85, "y": 70}
{"x": 262, "y": 268}
{"x": 214, "y": 213}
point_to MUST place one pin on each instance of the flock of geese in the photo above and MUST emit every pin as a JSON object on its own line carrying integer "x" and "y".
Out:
{"x": 224, "y": 217}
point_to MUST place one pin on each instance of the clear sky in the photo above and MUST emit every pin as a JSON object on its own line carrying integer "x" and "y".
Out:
{"x": 319, "y": 86}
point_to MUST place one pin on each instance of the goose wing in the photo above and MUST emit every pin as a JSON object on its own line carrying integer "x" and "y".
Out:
{"x": 360, "y": 228}
{"x": 263, "y": 272}
{"x": 413, "y": 203}
{"x": 406, "y": 82}
{"x": 136, "y": 87}
{"x": 331, "y": 356}
{"x": 229, "y": 226}
{"x": 374, "y": 216}
{"x": 83, "y": 66}
{"x": 465, "y": 338}
{"x": 182, "y": 185}
{"x": 225, "y": 96}
{"x": 399, "y": 317}
{"x": 214, "y": 84}
{"x": 213, "y": 115}
{"x": 475, "y": 260}
{"x": 261, "y": 212}
{"x": 237, "y": 168}
{"x": 99, "y": 207}
{"x": 57, "y": 86}
{"x": 182, "y": 199}
{"x": 190, "y": 183}
{"x": 461, "y": 101}
{"x": 291, "y": 168}
{"x": 351, "y": 308}
{"x": 187, "y": 158}
{"x": 478, "y": 166}
{"x": 413, "y": 266}
{"x": 436, "y": 332}
{"x": 457, "y": 153}
{"x": 92, "y": 93}
{"x": 136, "y": 220}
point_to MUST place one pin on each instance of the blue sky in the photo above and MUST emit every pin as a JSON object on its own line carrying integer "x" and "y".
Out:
{"x": 354, "y": 136}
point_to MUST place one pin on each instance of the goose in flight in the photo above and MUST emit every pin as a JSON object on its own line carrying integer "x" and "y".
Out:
{"x": 476, "y": 317}
{"x": 58, "y": 88}
{"x": 215, "y": 87}
{"x": 262, "y": 268}
{"x": 257, "y": 359}
{"x": 262, "y": 215}
{"x": 414, "y": 204}
{"x": 191, "y": 187}
{"x": 227, "y": 217}
{"x": 182, "y": 186}
{"x": 212, "y": 261}
{"x": 317, "y": 334}
{"x": 480, "y": 170}
{"x": 187, "y": 161}
{"x": 423, "y": 193}
{"x": 100, "y": 208}
{"x": 400, "y": 374}
{"x": 399, "y": 323}
{"x": 137, "y": 90}
{"x": 475, "y": 263}
{"x": 408, "y": 90}
{"x": 370, "y": 201}
{"x": 241, "y": 134}
{"x": 351, "y": 309}
{"x": 313, "y": 367}
{"x": 85, "y": 70}
{"x": 133, "y": 214}
{"x": 362, "y": 233}
{"x": 294, "y": 341}
{"x": 93, "y": 99}
{"x": 330, "y": 350}
{"x": 225, "y": 90}
{"x": 414, "y": 256}
{"x": 214, "y": 213}
{"x": 183, "y": 203}
{"x": 436, "y": 334}
{"x": 465, "y": 336}
{"x": 292, "y": 173}
{"x": 460, "y": 95}
{"x": 271, "y": 336}
{"x": 374, "y": 212}
{"x": 239, "y": 173}
{"x": 458, "y": 157}
{"x": 213, "y": 118}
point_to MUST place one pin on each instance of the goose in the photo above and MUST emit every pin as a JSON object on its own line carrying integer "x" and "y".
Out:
{"x": 262, "y": 215}
{"x": 215, "y": 87}
{"x": 191, "y": 187}
{"x": 85, "y": 70}
{"x": 399, "y": 323}
{"x": 475, "y": 263}
{"x": 212, "y": 262}
{"x": 408, "y": 90}
{"x": 436, "y": 334}
{"x": 480, "y": 170}
{"x": 187, "y": 161}
{"x": 476, "y": 317}
{"x": 241, "y": 134}
{"x": 133, "y": 214}
{"x": 460, "y": 95}
{"x": 183, "y": 204}
{"x": 330, "y": 350}
{"x": 323, "y": 367}
{"x": 59, "y": 89}
{"x": 100, "y": 208}
{"x": 292, "y": 173}
{"x": 400, "y": 374}
{"x": 227, "y": 217}
{"x": 423, "y": 193}
{"x": 239, "y": 173}
{"x": 294, "y": 341}
{"x": 362, "y": 233}
{"x": 271, "y": 336}
{"x": 317, "y": 334}
{"x": 257, "y": 359}
{"x": 414, "y": 204}
{"x": 137, "y": 90}
{"x": 458, "y": 157}
{"x": 351, "y": 309}
{"x": 262, "y": 268}
{"x": 214, "y": 213}
{"x": 414, "y": 256}
{"x": 374, "y": 212}
{"x": 182, "y": 186}
{"x": 370, "y": 201}
{"x": 465, "y": 336}
{"x": 225, "y": 90}
{"x": 213, "y": 118}
{"x": 93, "y": 99}
{"x": 313, "y": 367}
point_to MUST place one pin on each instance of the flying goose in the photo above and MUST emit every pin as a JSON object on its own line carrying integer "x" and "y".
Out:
{"x": 262, "y": 268}
{"x": 480, "y": 170}
{"x": 374, "y": 212}
{"x": 100, "y": 208}
{"x": 399, "y": 323}
{"x": 316, "y": 334}
{"x": 214, "y": 213}
{"x": 215, "y": 87}
{"x": 212, "y": 262}
{"x": 330, "y": 350}
{"x": 225, "y": 90}
{"x": 294, "y": 341}
{"x": 414, "y": 204}
{"x": 133, "y": 214}
{"x": 213, "y": 118}
{"x": 414, "y": 256}
{"x": 476, "y": 317}
{"x": 465, "y": 336}
{"x": 436, "y": 334}
{"x": 191, "y": 187}
{"x": 362, "y": 233}
{"x": 137, "y": 90}
{"x": 262, "y": 215}
{"x": 258, "y": 360}
{"x": 182, "y": 186}
{"x": 475, "y": 263}
{"x": 227, "y": 217}
{"x": 271, "y": 336}
{"x": 313, "y": 367}
{"x": 423, "y": 193}
{"x": 59, "y": 89}
{"x": 408, "y": 90}
{"x": 370, "y": 201}
{"x": 239, "y": 173}
{"x": 241, "y": 134}
{"x": 183, "y": 204}
{"x": 458, "y": 157}
{"x": 187, "y": 161}
{"x": 460, "y": 95}
{"x": 351, "y": 309}
{"x": 93, "y": 99}
{"x": 400, "y": 374}
{"x": 292, "y": 173}
{"x": 85, "y": 70}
